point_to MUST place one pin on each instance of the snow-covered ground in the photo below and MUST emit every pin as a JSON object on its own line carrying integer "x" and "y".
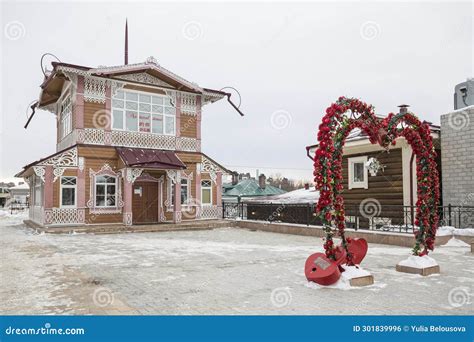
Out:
{"x": 221, "y": 271}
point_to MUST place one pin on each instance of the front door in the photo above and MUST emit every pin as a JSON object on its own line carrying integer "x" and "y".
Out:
{"x": 145, "y": 202}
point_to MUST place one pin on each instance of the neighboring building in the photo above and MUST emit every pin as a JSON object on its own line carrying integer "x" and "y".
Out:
{"x": 4, "y": 196}
{"x": 20, "y": 193}
{"x": 457, "y": 154}
{"x": 390, "y": 189}
{"x": 307, "y": 195}
{"x": 128, "y": 148}
{"x": 464, "y": 94}
{"x": 249, "y": 188}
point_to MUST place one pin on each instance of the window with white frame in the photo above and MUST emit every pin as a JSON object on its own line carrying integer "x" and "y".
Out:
{"x": 105, "y": 191}
{"x": 65, "y": 117}
{"x": 68, "y": 192}
{"x": 206, "y": 192}
{"x": 358, "y": 175}
{"x": 143, "y": 112}
{"x": 185, "y": 194}
{"x": 37, "y": 191}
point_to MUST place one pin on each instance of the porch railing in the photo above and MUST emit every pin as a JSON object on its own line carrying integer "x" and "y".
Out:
{"x": 396, "y": 218}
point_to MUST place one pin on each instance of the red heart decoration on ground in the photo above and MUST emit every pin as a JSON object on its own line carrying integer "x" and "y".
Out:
{"x": 321, "y": 270}
{"x": 358, "y": 248}
{"x": 341, "y": 255}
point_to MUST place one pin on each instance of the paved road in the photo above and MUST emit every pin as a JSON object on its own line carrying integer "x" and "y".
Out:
{"x": 222, "y": 271}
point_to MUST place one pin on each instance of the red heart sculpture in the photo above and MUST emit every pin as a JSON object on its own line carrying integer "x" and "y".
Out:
{"x": 341, "y": 255}
{"x": 321, "y": 270}
{"x": 358, "y": 248}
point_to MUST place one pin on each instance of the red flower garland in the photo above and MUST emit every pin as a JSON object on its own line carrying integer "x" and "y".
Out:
{"x": 333, "y": 131}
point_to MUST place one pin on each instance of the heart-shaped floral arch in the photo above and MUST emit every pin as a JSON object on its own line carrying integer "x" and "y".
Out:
{"x": 340, "y": 119}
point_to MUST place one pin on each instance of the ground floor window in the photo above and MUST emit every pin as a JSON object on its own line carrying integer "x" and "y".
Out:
{"x": 206, "y": 192}
{"x": 37, "y": 191}
{"x": 68, "y": 191}
{"x": 105, "y": 191}
{"x": 358, "y": 175}
{"x": 184, "y": 192}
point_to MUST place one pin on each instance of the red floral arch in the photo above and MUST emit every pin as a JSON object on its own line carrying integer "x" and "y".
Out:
{"x": 340, "y": 119}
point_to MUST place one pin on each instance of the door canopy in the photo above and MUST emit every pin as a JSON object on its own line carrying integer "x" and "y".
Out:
{"x": 340, "y": 119}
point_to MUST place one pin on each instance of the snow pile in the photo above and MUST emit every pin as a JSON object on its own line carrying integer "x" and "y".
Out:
{"x": 453, "y": 242}
{"x": 445, "y": 231}
{"x": 341, "y": 284}
{"x": 351, "y": 272}
{"x": 415, "y": 261}
{"x": 8, "y": 219}
{"x": 464, "y": 231}
{"x": 344, "y": 282}
{"x": 310, "y": 195}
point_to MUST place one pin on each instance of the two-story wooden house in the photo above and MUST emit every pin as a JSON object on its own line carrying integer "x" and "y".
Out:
{"x": 128, "y": 148}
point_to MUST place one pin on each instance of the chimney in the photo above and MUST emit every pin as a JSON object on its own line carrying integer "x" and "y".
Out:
{"x": 306, "y": 186}
{"x": 262, "y": 180}
{"x": 235, "y": 178}
{"x": 403, "y": 108}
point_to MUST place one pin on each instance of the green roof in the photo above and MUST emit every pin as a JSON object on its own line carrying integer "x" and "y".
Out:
{"x": 249, "y": 188}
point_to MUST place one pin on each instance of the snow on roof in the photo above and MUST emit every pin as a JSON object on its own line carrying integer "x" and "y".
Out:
{"x": 20, "y": 187}
{"x": 293, "y": 197}
{"x": 250, "y": 188}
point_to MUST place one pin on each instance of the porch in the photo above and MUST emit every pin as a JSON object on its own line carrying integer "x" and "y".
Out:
{"x": 121, "y": 228}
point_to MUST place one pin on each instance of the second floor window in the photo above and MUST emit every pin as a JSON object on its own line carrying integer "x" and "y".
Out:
{"x": 143, "y": 112}
{"x": 65, "y": 117}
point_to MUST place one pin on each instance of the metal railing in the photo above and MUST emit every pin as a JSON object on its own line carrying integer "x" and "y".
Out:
{"x": 395, "y": 218}
{"x": 16, "y": 207}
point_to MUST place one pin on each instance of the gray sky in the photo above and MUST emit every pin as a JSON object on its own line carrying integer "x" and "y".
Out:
{"x": 288, "y": 60}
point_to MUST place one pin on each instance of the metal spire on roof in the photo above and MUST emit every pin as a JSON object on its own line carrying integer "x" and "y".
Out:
{"x": 126, "y": 41}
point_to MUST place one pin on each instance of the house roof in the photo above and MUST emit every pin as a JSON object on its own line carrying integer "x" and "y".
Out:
{"x": 299, "y": 196}
{"x": 20, "y": 187}
{"x": 149, "y": 158}
{"x": 26, "y": 167}
{"x": 250, "y": 188}
{"x": 53, "y": 83}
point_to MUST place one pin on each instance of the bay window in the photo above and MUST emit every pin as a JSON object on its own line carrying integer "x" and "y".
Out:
{"x": 142, "y": 112}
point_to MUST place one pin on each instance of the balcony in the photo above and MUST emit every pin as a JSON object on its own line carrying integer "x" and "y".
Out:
{"x": 95, "y": 136}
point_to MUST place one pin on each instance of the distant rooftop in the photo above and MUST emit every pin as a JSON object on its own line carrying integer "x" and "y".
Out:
{"x": 250, "y": 188}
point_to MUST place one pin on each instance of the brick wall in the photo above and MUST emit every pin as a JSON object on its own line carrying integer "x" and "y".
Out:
{"x": 457, "y": 154}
